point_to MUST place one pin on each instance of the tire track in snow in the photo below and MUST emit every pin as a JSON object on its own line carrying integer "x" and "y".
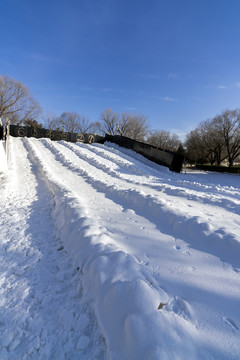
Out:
{"x": 43, "y": 313}
{"x": 168, "y": 216}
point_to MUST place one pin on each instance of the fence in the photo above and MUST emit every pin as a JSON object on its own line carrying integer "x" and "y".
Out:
{"x": 167, "y": 158}
{"x": 170, "y": 159}
{"x": 22, "y": 131}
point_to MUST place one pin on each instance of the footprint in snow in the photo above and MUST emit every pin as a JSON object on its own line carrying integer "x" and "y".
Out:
{"x": 83, "y": 342}
{"x": 180, "y": 307}
{"x": 178, "y": 247}
{"x": 145, "y": 259}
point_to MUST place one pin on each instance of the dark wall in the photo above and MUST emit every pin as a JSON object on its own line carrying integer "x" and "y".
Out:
{"x": 167, "y": 158}
{"x": 21, "y": 131}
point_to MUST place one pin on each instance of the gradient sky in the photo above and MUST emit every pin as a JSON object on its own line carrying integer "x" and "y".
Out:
{"x": 175, "y": 61}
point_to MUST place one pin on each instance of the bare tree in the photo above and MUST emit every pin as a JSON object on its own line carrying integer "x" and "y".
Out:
{"x": 109, "y": 122}
{"x": 74, "y": 122}
{"x": 196, "y": 150}
{"x": 205, "y": 145}
{"x": 32, "y": 123}
{"x": 97, "y": 128}
{"x": 123, "y": 125}
{"x": 133, "y": 126}
{"x": 85, "y": 125}
{"x": 216, "y": 140}
{"x": 213, "y": 142}
{"x": 51, "y": 121}
{"x": 227, "y": 126}
{"x": 16, "y": 103}
{"x": 164, "y": 140}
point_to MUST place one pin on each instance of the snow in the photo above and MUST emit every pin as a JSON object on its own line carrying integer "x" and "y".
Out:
{"x": 3, "y": 157}
{"x": 105, "y": 255}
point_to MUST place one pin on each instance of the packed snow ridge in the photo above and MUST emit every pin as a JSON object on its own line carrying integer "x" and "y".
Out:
{"x": 105, "y": 255}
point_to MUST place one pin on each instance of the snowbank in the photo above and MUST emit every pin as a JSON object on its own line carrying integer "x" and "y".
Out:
{"x": 3, "y": 157}
{"x": 124, "y": 294}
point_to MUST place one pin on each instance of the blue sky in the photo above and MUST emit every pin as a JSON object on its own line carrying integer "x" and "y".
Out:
{"x": 177, "y": 62}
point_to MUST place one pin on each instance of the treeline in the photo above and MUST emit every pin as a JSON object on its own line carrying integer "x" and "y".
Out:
{"x": 134, "y": 126}
{"x": 216, "y": 141}
{"x": 18, "y": 105}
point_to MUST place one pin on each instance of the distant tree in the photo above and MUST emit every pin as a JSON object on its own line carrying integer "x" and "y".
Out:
{"x": 133, "y": 126}
{"x": 50, "y": 121}
{"x": 201, "y": 146}
{"x": 205, "y": 145}
{"x": 109, "y": 122}
{"x": 85, "y": 125}
{"x": 74, "y": 122}
{"x": 196, "y": 150}
{"x": 227, "y": 126}
{"x": 181, "y": 150}
{"x": 32, "y": 123}
{"x": 16, "y": 103}
{"x": 215, "y": 140}
{"x": 123, "y": 125}
{"x": 213, "y": 143}
{"x": 69, "y": 122}
{"x": 97, "y": 128}
{"x": 164, "y": 140}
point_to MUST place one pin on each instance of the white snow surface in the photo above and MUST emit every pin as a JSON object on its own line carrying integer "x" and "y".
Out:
{"x": 105, "y": 255}
{"x": 3, "y": 158}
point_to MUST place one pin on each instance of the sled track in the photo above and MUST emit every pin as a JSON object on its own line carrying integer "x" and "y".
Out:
{"x": 161, "y": 208}
{"x": 103, "y": 245}
{"x": 45, "y": 315}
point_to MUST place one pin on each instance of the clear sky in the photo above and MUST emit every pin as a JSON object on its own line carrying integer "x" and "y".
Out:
{"x": 175, "y": 61}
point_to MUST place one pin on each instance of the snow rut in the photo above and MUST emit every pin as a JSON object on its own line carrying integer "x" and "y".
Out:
{"x": 43, "y": 313}
{"x": 117, "y": 258}
{"x": 99, "y": 263}
{"x": 160, "y": 178}
{"x": 164, "y": 211}
{"x": 123, "y": 301}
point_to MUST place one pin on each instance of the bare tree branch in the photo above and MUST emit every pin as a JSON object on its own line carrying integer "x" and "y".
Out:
{"x": 16, "y": 102}
{"x": 164, "y": 140}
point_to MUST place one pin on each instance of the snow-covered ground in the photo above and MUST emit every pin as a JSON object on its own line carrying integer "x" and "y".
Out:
{"x": 105, "y": 255}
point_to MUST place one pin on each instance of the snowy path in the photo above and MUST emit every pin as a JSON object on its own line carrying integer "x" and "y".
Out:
{"x": 43, "y": 314}
{"x": 99, "y": 244}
